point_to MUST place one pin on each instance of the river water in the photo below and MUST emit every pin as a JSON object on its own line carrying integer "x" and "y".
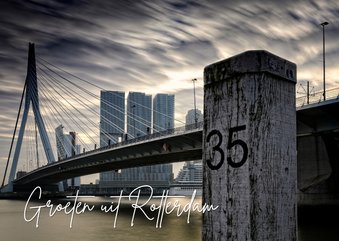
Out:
{"x": 97, "y": 225}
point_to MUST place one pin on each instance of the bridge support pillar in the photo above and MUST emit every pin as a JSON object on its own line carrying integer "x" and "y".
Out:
{"x": 31, "y": 98}
{"x": 249, "y": 148}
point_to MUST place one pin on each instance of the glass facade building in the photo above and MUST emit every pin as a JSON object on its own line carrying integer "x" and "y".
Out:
{"x": 190, "y": 117}
{"x": 163, "y": 112}
{"x": 139, "y": 123}
{"x": 112, "y": 117}
{"x": 66, "y": 147}
{"x": 139, "y": 114}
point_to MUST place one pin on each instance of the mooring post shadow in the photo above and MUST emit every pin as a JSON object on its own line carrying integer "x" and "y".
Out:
{"x": 249, "y": 152}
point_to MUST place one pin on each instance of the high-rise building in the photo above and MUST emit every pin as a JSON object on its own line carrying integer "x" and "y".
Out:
{"x": 66, "y": 143}
{"x": 190, "y": 173}
{"x": 112, "y": 117}
{"x": 163, "y": 119}
{"x": 59, "y": 137}
{"x": 139, "y": 122}
{"x": 139, "y": 114}
{"x": 163, "y": 112}
{"x": 189, "y": 178}
{"x": 67, "y": 147}
{"x": 190, "y": 117}
{"x": 112, "y": 121}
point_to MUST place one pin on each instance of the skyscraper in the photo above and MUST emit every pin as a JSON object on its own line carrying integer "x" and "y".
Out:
{"x": 163, "y": 112}
{"x": 139, "y": 122}
{"x": 190, "y": 116}
{"x": 163, "y": 119}
{"x": 112, "y": 116}
{"x": 59, "y": 137}
{"x": 66, "y": 143}
{"x": 67, "y": 147}
{"x": 139, "y": 114}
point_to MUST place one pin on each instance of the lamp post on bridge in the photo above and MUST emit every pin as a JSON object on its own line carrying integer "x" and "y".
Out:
{"x": 324, "y": 83}
{"x": 195, "y": 104}
{"x": 133, "y": 116}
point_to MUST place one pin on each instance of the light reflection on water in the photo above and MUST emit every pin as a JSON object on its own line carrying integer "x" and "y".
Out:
{"x": 96, "y": 225}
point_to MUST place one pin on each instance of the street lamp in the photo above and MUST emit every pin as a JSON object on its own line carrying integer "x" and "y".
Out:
{"x": 195, "y": 104}
{"x": 324, "y": 24}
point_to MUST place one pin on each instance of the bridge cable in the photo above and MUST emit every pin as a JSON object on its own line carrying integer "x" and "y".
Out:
{"x": 79, "y": 101}
{"x": 58, "y": 121}
{"x": 68, "y": 115}
{"x": 88, "y": 82}
{"x": 14, "y": 133}
{"x": 56, "y": 115}
{"x": 50, "y": 126}
{"x": 95, "y": 86}
{"x": 48, "y": 121}
{"x": 142, "y": 122}
{"x": 96, "y": 113}
{"x": 162, "y": 133}
{"x": 56, "y": 91}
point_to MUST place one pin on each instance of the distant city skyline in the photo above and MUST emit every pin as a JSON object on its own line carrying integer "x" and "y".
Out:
{"x": 139, "y": 113}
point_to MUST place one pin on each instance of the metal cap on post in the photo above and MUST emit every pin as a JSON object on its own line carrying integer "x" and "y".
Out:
{"x": 249, "y": 152}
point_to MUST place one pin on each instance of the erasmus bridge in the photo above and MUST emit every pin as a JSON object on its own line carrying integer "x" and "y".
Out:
{"x": 53, "y": 96}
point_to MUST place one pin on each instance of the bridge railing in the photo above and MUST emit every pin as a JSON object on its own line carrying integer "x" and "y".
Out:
{"x": 317, "y": 97}
{"x": 173, "y": 131}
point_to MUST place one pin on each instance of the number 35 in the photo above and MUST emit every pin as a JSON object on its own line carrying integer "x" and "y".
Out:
{"x": 231, "y": 143}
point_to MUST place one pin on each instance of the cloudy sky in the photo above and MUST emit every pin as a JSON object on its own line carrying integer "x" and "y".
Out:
{"x": 157, "y": 46}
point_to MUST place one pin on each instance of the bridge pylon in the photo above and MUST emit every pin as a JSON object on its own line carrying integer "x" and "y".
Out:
{"x": 31, "y": 99}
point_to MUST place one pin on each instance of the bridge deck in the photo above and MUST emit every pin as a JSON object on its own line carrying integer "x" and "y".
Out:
{"x": 180, "y": 147}
{"x": 314, "y": 119}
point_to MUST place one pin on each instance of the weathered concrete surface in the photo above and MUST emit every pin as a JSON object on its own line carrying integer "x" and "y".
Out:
{"x": 252, "y": 172}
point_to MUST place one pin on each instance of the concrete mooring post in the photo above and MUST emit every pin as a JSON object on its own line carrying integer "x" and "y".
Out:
{"x": 249, "y": 152}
